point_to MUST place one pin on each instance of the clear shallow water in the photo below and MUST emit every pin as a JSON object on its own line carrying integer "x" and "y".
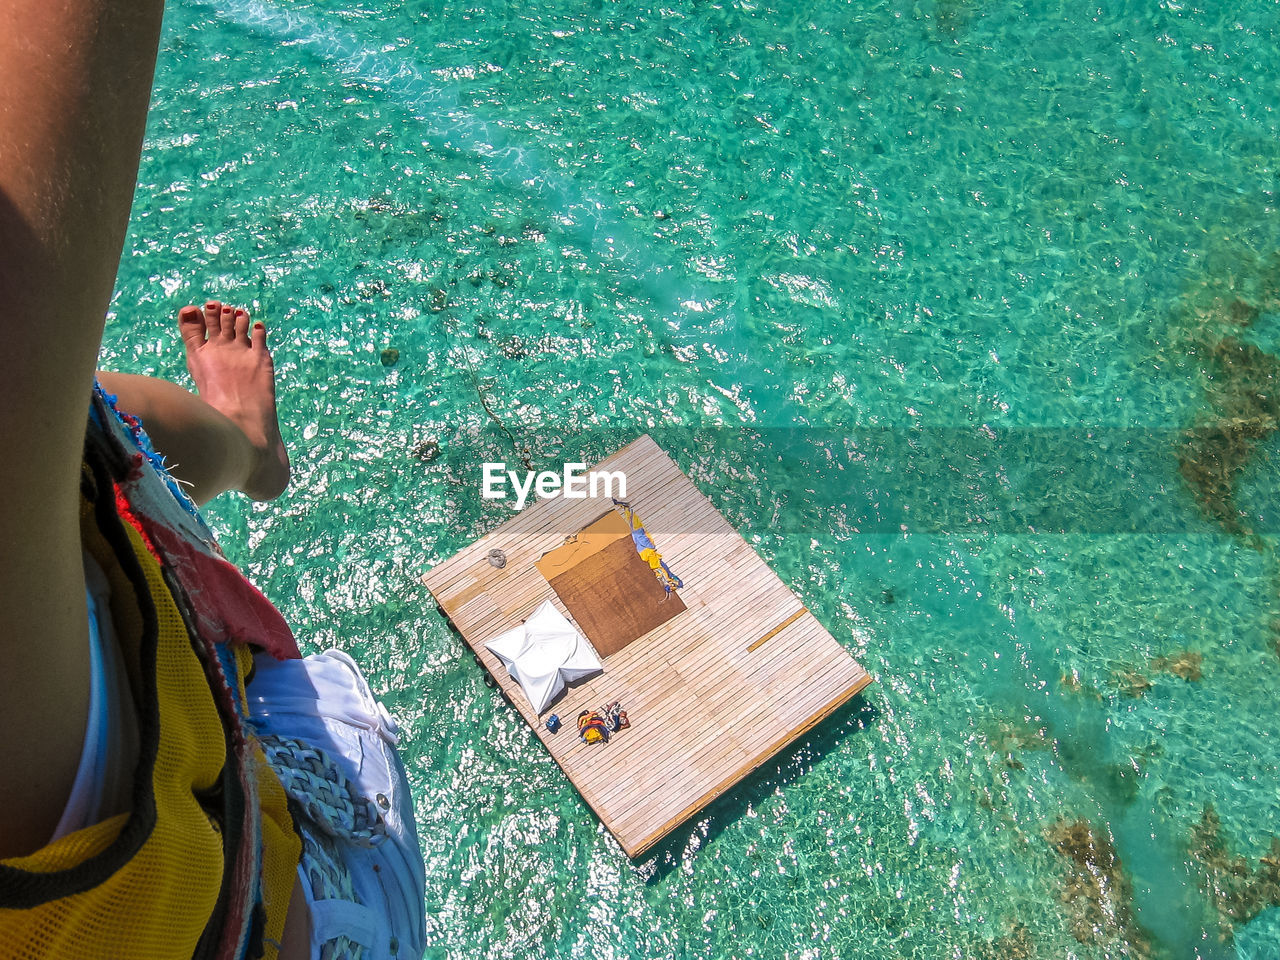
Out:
{"x": 921, "y": 294}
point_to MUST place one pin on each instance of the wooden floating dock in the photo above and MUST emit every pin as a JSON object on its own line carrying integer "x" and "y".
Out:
{"x": 712, "y": 693}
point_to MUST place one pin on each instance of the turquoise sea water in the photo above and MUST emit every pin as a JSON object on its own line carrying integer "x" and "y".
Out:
{"x": 922, "y": 294}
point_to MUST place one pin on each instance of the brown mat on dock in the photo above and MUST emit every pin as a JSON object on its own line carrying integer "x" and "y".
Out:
{"x": 609, "y": 591}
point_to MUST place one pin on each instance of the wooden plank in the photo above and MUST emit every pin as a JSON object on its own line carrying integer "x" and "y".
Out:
{"x": 636, "y": 848}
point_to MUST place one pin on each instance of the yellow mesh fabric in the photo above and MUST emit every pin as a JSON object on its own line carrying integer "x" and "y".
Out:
{"x": 72, "y": 849}
{"x": 281, "y": 850}
{"x": 157, "y": 904}
{"x": 244, "y": 663}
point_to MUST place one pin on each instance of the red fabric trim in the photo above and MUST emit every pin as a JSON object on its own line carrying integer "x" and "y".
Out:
{"x": 127, "y": 515}
{"x": 227, "y": 607}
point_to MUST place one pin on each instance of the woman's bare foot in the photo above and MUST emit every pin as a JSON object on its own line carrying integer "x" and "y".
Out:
{"x": 232, "y": 368}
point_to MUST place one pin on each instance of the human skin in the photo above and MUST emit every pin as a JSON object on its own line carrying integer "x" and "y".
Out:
{"x": 75, "y": 81}
{"x": 227, "y": 437}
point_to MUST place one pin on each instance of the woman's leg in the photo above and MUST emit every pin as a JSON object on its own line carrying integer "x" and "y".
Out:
{"x": 227, "y": 438}
{"x": 75, "y": 78}
{"x": 75, "y": 82}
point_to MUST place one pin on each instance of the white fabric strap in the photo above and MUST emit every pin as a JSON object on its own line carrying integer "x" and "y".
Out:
{"x": 331, "y": 919}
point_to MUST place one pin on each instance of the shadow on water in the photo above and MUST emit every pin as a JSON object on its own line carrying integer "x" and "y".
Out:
{"x": 794, "y": 762}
